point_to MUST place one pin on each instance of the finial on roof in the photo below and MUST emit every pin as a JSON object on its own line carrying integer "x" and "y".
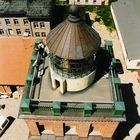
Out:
{"x": 74, "y": 10}
{"x": 74, "y": 14}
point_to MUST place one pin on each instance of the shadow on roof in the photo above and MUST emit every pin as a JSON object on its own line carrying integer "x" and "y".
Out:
{"x": 103, "y": 61}
{"x": 132, "y": 116}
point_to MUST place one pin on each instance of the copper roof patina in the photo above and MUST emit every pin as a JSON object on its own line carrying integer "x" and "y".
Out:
{"x": 73, "y": 39}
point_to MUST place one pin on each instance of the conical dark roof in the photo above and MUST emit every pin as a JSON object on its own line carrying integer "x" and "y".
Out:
{"x": 73, "y": 39}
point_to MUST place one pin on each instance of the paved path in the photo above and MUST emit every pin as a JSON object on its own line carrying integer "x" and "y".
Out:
{"x": 18, "y": 129}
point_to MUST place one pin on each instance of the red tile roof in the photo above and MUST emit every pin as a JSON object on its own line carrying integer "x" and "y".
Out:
{"x": 15, "y": 54}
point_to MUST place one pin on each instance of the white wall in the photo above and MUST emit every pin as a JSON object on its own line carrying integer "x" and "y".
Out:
{"x": 12, "y": 26}
{"x": 130, "y": 64}
{"x": 80, "y": 83}
{"x": 70, "y": 83}
{"x": 89, "y": 2}
{"x": 45, "y": 29}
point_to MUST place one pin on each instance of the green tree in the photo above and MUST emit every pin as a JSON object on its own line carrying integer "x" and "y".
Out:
{"x": 103, "y": 13}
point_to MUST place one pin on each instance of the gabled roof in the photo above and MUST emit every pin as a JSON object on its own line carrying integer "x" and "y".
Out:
{"x": 15, "y": 54}
{"x": 127, "y": 16}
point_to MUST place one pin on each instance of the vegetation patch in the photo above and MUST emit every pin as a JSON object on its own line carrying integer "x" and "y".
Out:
{"x": 103, "y": 14}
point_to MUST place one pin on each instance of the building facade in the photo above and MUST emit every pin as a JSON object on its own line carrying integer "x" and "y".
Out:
{"x": 15, "y": 53}
{"x": 14, "y": 26}
{"x": 21, "y": 26}
{"x": 119, "y": 10}
{"x": 24, "y": 19}
{"x": 40, "y": 28}
{"x": 85, "y": 2}
{"x": 92, "y": 112}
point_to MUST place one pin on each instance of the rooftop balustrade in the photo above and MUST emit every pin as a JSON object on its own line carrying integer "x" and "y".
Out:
{"x": 114, "y": 109}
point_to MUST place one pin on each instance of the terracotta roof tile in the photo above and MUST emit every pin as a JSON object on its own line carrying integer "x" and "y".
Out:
{"x": 15, "y": 53}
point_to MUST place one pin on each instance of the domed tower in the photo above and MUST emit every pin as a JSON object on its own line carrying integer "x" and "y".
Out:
{"x": 72, "y": 47}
